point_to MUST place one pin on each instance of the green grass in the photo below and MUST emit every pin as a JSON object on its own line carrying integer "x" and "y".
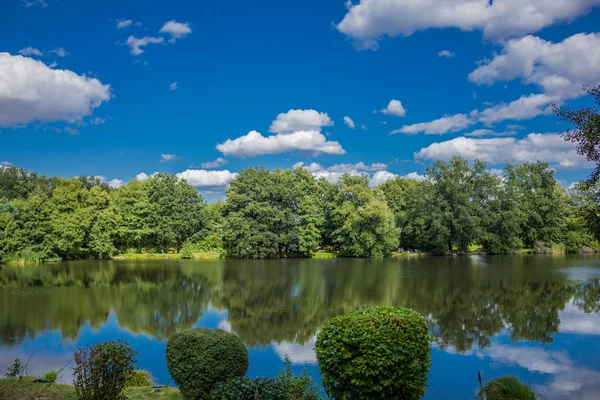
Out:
{"x": 204, "y": 255}
{"x": 321, "y": 255}
{"x": 25, "y": 389}
{"x": 406, "y": 254}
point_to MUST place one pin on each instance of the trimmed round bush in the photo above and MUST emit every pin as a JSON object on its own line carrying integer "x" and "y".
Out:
{"x": 200, "y": 359}
{"x": 375, "y": 353}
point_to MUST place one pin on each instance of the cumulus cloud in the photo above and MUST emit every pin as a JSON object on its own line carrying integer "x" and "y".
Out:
{"x": 136, "y": 44}
{"x": 115, "y": 183}
{"x": 549, "y": 147}
{"x": 525, "y": 107}
{"x": 560, "y": 69}
{"x": 142, "y": 176}
{"x": 394, "y": 108}
{"x": 173, "y": 86}
{"x": 451, "y": 123}
{"x": 300, "y": 120}
{"x": 414, "y": 176}
{"x": 348, "y": 121}
{"x": 368, "y": 20}
{"x": 168, "y": 157}
{"x": 176, "y": 29}
{"x": 31, "y": 91}
{"x": 446, "y": 54}
{"x": 254, "y": 144}
{"x": 335, "y": 172}
{"x": 220, "y": 161}
{"x": 200, "y": 178}
{"x": 30, "y": 51}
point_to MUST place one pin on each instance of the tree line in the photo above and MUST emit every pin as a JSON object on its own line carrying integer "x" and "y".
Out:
{"x": 290, "y": 213}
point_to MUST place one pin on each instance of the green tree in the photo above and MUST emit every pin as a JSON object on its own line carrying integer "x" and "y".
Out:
{"x": 363, "y": 224}
{"x": 135, "y": 230}
{"x": 397, "y": 193}
{"x": 585, "y": 199}
{"x": 587, "y": 129}
{"x": 542, "y": 201}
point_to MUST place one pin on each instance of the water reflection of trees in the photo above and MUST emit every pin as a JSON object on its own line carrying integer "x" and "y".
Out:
{"x": 467, "y": 300}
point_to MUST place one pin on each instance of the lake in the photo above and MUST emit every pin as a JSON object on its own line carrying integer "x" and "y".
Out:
{"x": 536, "y": 317}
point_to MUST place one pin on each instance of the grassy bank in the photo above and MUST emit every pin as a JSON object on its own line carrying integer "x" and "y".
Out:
{"x": 206, "y": 255}
{"x": 26, "y": 389}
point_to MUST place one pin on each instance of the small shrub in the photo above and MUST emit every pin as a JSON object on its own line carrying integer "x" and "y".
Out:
{"x": 507, "y": 388}
{"x": 375, "y": 353}
{"x": 51, "y": 376}
{"x": 139, "y": 377}
{"x": 187, "y": 250}
{"x": 15, "y": 370}
{"x": 249, "y": 389}
{"x": 200, "y": 359}
{"x": 101, "y": 370}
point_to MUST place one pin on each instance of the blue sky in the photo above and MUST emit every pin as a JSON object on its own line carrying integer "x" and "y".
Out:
{"x": 467, "y": 77}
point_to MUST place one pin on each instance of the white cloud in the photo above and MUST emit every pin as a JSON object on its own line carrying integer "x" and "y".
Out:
{"x": 30, "y": 51}
{"x": 489, "y": 133}
{"x": 451, "y": 123}
{"x": 168, "y": 157}
{"x": 71, "y": 131}
{"x": 367, "y": 21}
{"x": 200, "y": 178}
{"x": 254, "y": 144}
{"x": 575, "y": 320}
{"x": 446, "y": 54}
{"x": 394, "y": 108}
{"x": 115, "y": 183}
{"x": 335, "y": 172}
{"x": 59, "y": 51}
{"x": 52, "y": 64}
{"x": 32, "y": 91}
{"x": 300, "y": 120}
{"x": 176, "y": 29}
{"x": 525, "y": 107}
{"x": 414, "y": 176}
{"x": 219, "y": 162}
{"x": 142, "y": 176}
{"x": 348, "y": 121}
{"x": 381, "y": 177}
{"x": 224, "y": 325}
{"x": 97, "y": 121}
{"x": 123, "y": 23}
{"x": 560, "y": 69}
{"x": 136, "y": 44}
{"x": 549, "y": 147}
{"x": 173, "y": 86}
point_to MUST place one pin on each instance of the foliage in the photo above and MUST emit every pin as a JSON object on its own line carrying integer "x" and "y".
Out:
{"x": 507, "y": 388}
{"x": 187, "y": 250}
{"x": 139, "y": 377}
{"x": 363, "y": 224}
{"x": 200, "y": 359}
{"x": 249, "y": 389}
{"x": 101, "y": 370}
{"x": 15, "y": 370}
{"x": 284, "y": 386}
{"x": 296, "y": 387}
{"x": 270, "y": 214}
{"x": 587, "y": 129}
{"x": 375, "y": 353}
{"x": 51, "y": 376}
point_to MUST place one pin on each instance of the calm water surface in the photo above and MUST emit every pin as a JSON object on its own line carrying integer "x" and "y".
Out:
{"x": 536, "y": 317}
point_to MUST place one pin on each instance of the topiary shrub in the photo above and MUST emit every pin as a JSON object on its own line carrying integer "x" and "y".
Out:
{"x": 375, "y": 353}
{"x": 200, "y": 359}
{"x": 101, "y": 370}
